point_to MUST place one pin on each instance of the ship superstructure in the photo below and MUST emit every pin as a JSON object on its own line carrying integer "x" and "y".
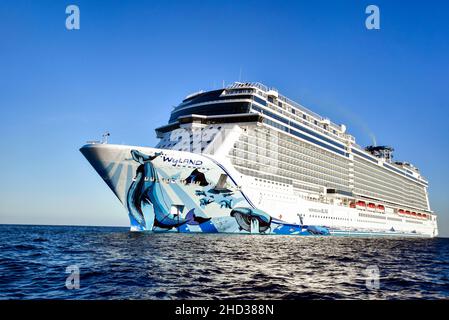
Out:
{"x": 289, "y": 164}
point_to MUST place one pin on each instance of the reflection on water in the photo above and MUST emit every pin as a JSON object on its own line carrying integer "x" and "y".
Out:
{"x": 117, "y": 264}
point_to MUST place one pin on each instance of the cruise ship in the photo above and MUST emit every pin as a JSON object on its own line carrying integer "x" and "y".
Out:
{"x": 246, "y": 159}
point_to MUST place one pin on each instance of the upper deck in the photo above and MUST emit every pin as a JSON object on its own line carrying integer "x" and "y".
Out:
{"x": 239, "y": 100}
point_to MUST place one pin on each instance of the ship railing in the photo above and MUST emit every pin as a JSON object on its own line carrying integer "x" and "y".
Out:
{"x": 337, "y": 135}
{"x": 284, "y": 99}
{"x": 248, "y": 84}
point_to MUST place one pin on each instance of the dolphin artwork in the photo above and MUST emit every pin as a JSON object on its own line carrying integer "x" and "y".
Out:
{"x": 219, "y": 193}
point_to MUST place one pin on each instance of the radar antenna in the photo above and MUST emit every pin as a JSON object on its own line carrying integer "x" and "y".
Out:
{"x": 384, "y": 152}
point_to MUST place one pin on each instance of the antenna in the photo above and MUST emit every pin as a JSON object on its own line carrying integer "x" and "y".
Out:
{"x": 105, "y": 137}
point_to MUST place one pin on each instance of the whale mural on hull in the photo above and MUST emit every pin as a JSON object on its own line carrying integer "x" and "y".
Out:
{"x": 146, "y": 190}
{"x": 150, "y": 207}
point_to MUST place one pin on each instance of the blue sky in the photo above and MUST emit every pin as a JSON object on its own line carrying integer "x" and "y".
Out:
{"x": 132, "y": 61}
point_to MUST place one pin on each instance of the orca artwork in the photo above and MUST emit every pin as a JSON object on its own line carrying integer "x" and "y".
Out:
{"x": 212, "y": 203}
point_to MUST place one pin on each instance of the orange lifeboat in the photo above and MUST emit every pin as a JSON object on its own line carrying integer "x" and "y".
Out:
{"x": 401, "y": 211}
{"x": 380, "y": 208}
{"x": 407, "y": 212}
{"x": 413, "y": 213}
{"x": 371, "y": 206}
{"x": 352, "y": 205}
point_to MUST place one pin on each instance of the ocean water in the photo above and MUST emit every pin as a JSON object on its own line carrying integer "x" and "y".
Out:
{"x": 117, "y": 264}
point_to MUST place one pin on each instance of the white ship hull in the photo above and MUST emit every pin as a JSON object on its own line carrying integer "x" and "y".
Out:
{"x": 176, "y": 191}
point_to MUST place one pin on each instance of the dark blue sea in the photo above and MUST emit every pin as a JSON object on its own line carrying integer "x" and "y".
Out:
{"x": 114, "y": 263}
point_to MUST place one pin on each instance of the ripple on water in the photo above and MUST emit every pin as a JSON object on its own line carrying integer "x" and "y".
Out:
{"x": 117, "y": 264}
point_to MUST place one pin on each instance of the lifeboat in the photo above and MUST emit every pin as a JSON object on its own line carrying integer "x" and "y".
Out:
{"x": 380, "y": 208}
{"x": 401, "y": 211}
{"x": 352, "y": 205}
{"x": 413, "y": 213}
{"x": 419, "y": 214}
{"x": 407, "y": 212}
{"x": 361, "y": 204}
{"x": 371, "y": 206}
